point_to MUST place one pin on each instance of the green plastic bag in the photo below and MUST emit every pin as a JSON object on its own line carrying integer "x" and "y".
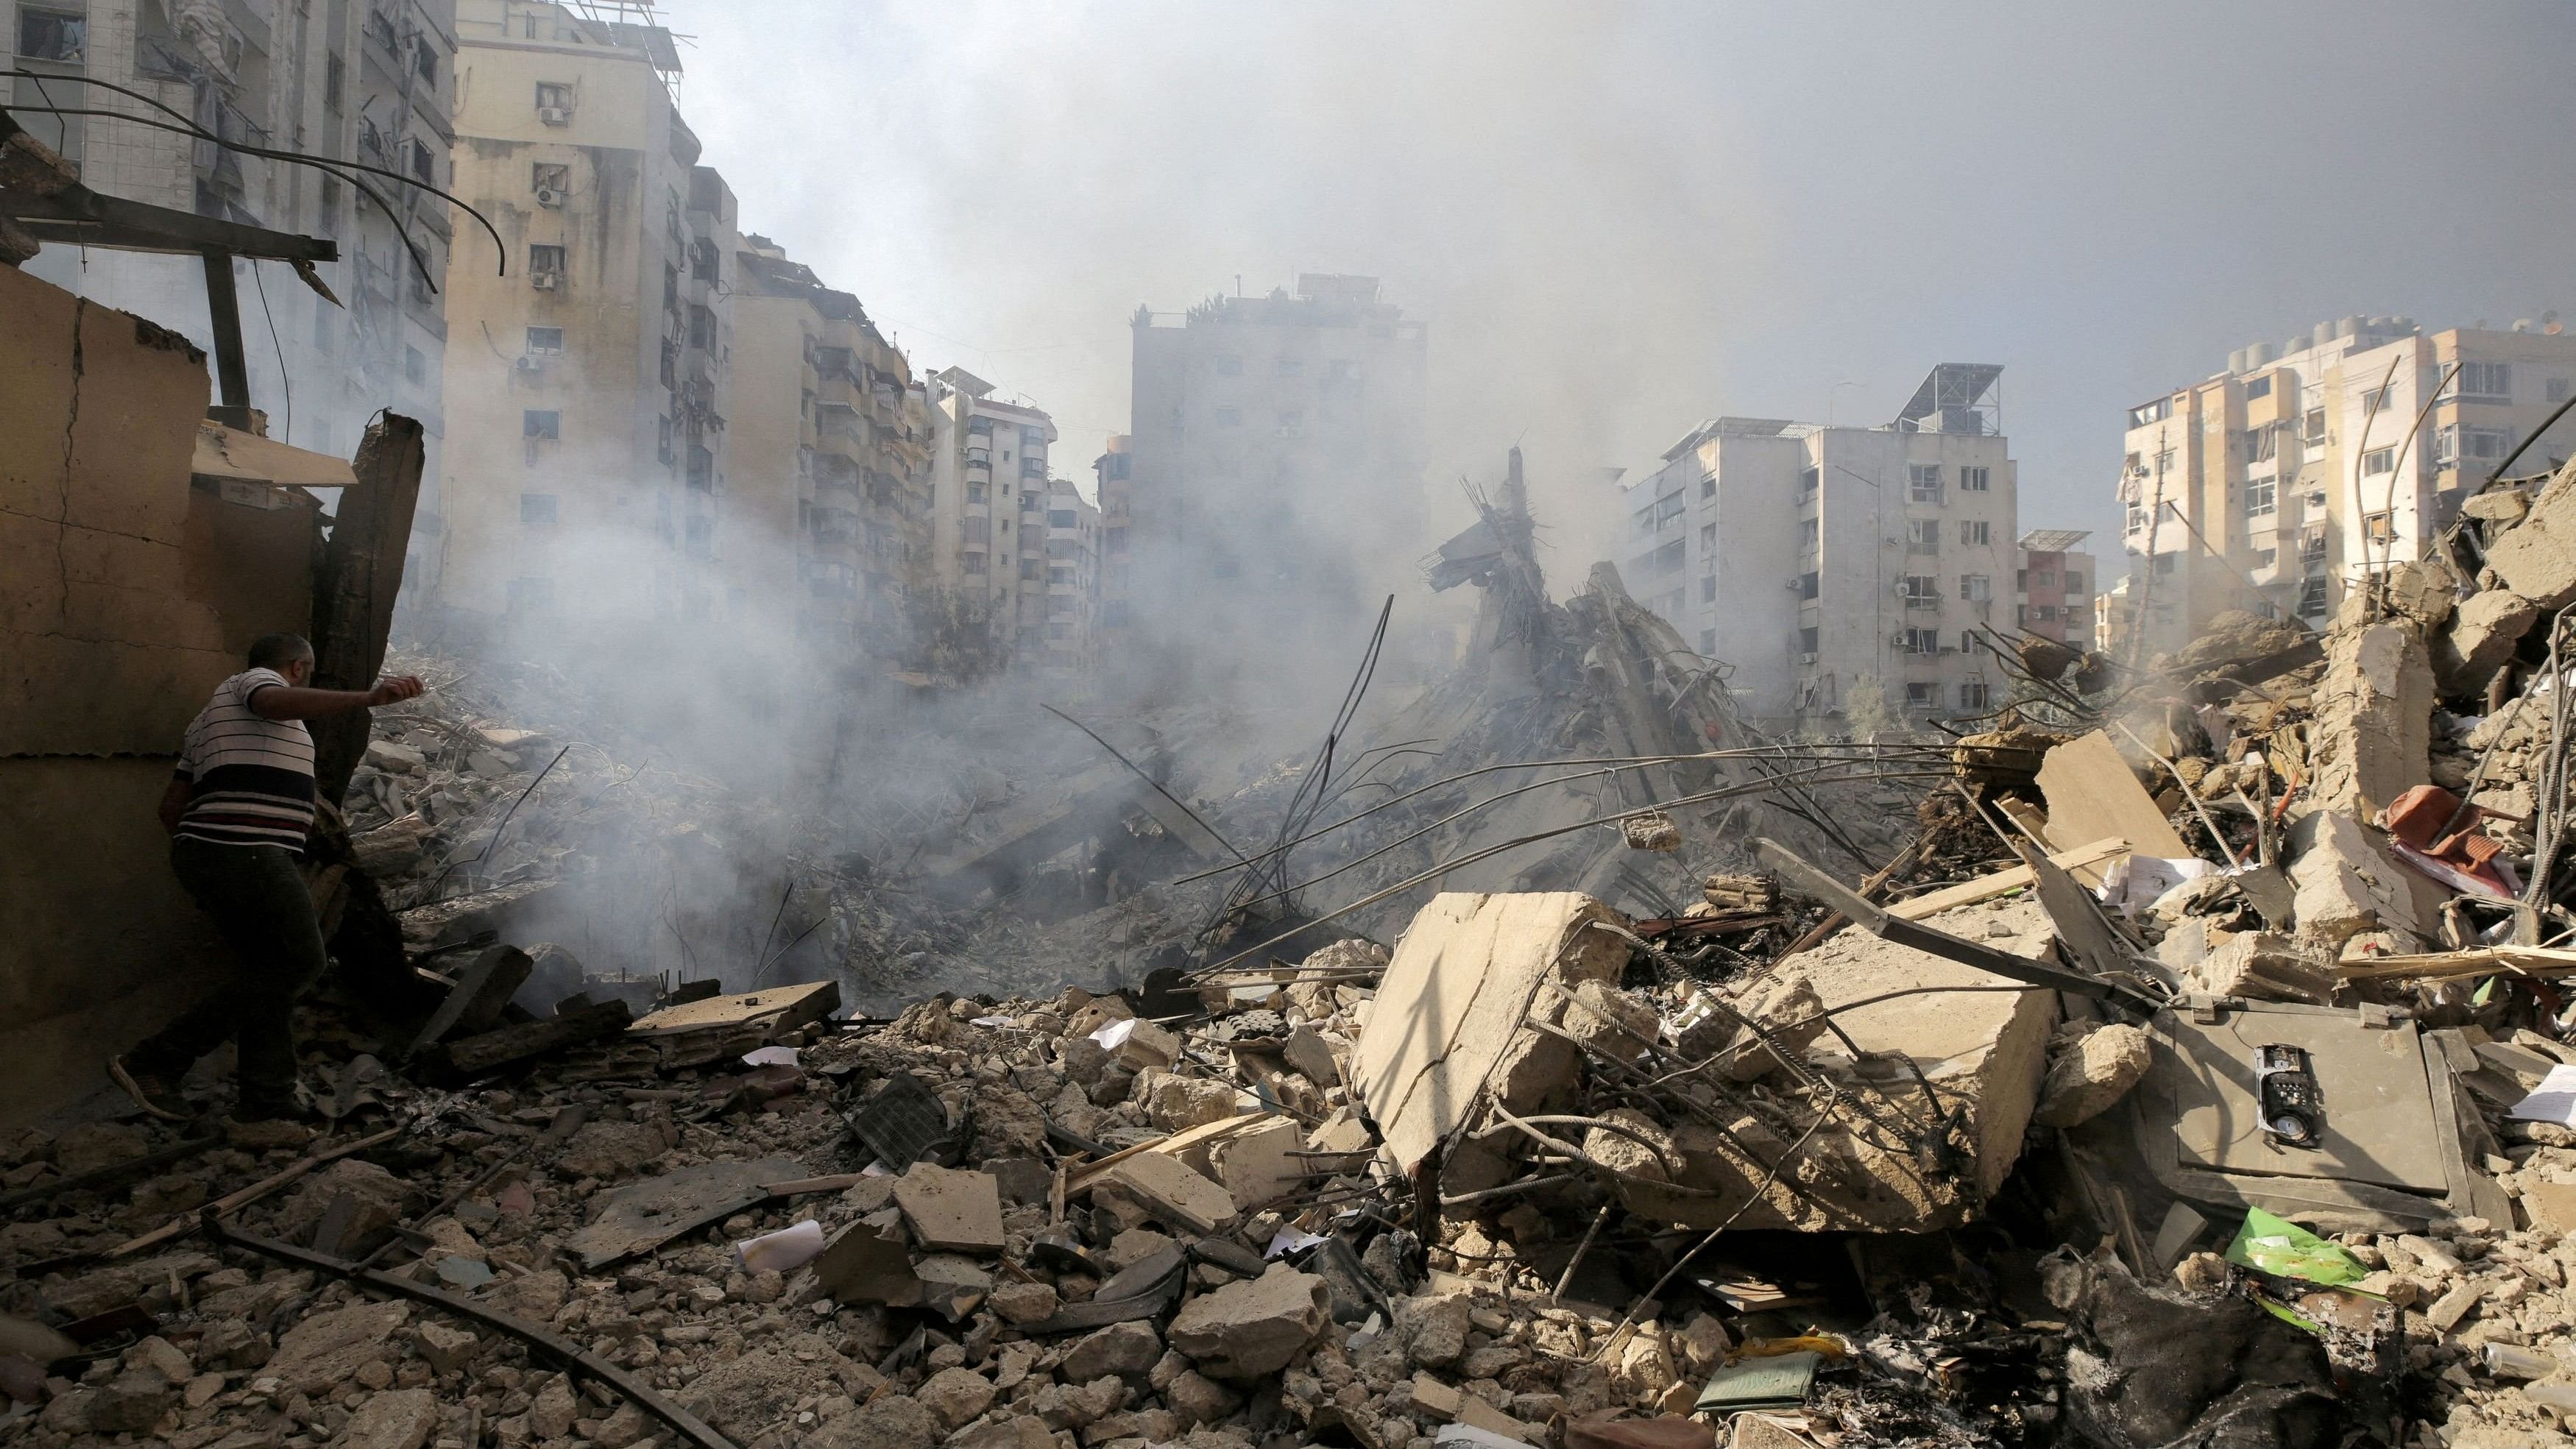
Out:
{"x": 2283, "y": 1249}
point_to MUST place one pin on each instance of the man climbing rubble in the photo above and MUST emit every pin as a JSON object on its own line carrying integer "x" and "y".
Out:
{"x": 237, "y": 810}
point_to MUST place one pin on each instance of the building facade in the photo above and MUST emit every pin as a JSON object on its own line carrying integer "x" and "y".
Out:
{"x": 1070, "y": 640}
{"x": 828, "y": 438}
{"x": 988, "y": 510}
{"x": 370, "y": 81}
{"x": 1115, "y": 472}
{"x": 588, "y": 476}
{"x": 1839, "y": 573}
{"x": 1275, "y": 463}
{"x": 2277, "y": 484}
{"x": 2053, "y": 586}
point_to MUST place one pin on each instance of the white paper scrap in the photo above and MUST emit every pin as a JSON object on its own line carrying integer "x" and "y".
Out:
{"x": 1289, "y": 1241}
{"x": 770, "y": 1056}
{"x": 2554, "y": 1100}
{"x": 1115, "y": 1033}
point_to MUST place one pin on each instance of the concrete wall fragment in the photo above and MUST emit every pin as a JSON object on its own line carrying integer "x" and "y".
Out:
{"x": 2373, "y": 730}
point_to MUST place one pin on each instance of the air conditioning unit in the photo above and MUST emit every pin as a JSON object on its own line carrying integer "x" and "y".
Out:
{"x": 1807, "y": 658}
{"x": 548, "y": 196}
{"x": 531, "y": 365}
{"x": 545, "y": 281}
{"x": 555, "y": 115}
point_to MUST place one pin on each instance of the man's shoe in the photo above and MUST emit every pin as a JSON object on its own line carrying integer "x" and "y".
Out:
{"x": 149, "y": 1092}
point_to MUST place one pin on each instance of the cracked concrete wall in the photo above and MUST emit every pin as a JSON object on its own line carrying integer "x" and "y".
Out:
{"x": 126, "y": 595}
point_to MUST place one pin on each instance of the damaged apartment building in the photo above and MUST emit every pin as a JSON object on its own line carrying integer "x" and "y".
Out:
{"x": 2276, "y": 485}
{"x": 1277, "y": 447}
{"x": 369, "y": 81}
{"x": 1015, "y": 550}
{"x": 1839, "y": 569}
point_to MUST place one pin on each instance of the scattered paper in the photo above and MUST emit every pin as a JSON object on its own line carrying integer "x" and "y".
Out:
{"x": 2132, "y": 882}
{"x": 770, "y": 1056}
{"x": 2554, "y": 1100}
{"x": 990, "y": 1021}
{"x": 1290, "y": 1240}
{"x": 1115, "y": 1034}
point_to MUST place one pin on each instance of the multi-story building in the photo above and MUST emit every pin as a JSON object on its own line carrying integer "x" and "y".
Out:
{"x": 829, "y": 452}
{"x": 988, "y": 507}
{"x": 587, "y": 473}
{"x": 361, "y": 80}
{"x": 1839, "y": 571}
{"x": 2278, "y": 483}
{"x": 1074, "y": 533}
{"x": 1276, "y": 453}
{"x": 2052, "y": 586}
{"x": 1116, "y": 474}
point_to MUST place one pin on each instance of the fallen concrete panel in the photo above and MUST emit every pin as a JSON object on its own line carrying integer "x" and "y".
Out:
{"x": 1447, "y": 1024}
{"x": 643, "y": 1216}
{"x": 2092, "y": 795}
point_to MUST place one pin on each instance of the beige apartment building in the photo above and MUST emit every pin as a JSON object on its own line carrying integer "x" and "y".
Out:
{"x": 2277, "y": 484}
{"x": 2053, "y": 584}
{"x": 988, "y": 508}
{"x": 1839, "y": 572}
{"x": 587, "y": 477}
{"x": 359, "y": 80}
{"x": 1069, "y": 642}
{"x": 828, "y": 509}
{"x": 1115, "y": 470}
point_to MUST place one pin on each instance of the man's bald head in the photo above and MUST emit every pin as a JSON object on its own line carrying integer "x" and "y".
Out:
{"x": 276, "y": 651}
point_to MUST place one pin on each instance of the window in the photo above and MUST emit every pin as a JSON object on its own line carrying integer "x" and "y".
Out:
{"x": 1708, "y": 537}
{"x": 1642, "y": 522}
{"x": 1922, "y": 535}
{"x": 2154, "y": 412}
{"x": 1972, "y": 694}
{"x": 545, "y": 342}
{"x": 1708, "y": 488}
{"x": 1229, "y": 367}
{"x": 2258, "y": 386}
{"x": 1969, "y": 643}
{"x": 972, "y": 563}
{"x": 2313, "y": 428}
{"x": 1668, "y": 559}
{"x": 2455, "y": 444}
{"x": 1060, "y": 518}
{"x": 1059, "y": 574}
{"x": 666, "y": 440}
{"x": 546, "y": 425}
{"x": 1708, "y": 588}
{"x": 2378, "y": 461}
{"x": 531, "y": 596}
{"x": 335, "y": 82}
{"x": 2074, "y": 583}
{"x": 2021, "y": 581}
{"x": 1808, "y": 479}
{"x": 2379, "y": 527}
{"x": 1708, "y": 642}
{"x": 2262, "y": 444}
{"x": 980, "y": 428}
{"x": 2137, "y": 518}
{"x": 554, "y": 95}
{"x": 2487, "y": 382}
{"x": 1229, "y": 417}
{"x": 2379, "y": 399}
{"x": 2044, "y": 613}
{"x": 423, "y": 168}
{"x": 424, "y": 60}
{"x": 1807, "y": 584}
{"x": 1976, "y": 588}
{"x": 1919, "y": 641}
{"x": 1922, "y": 591}
{"x": 670, "y": 287}
{"x": 2165, "y": 564}
{"x": 546, "y": 259}
{"x": 1030, "y": 568}
{"x": 702, "y": 328}
{"x": 1923, "y": 483}
{"x": 2312, "y": 597}
{"x": 2261, "y": 496}
{"x": 976, "y": 530}
{"x": 2264, "y": 558}
{"x": 704, "y": 264}
{"x": 536, "y": 508}
{"x": 1811, "y": 533}
{"x": 1975, "y": 532}
{"x": 1807, "y": 640}
{"x": 1667, "y": 509}
{"x": 57, "y": 35}
{"x": 670, "y": 364}
{"x": 1975, "y": 480}
{"x": 975, "y": 492}
{"x": 1922, "y": 696}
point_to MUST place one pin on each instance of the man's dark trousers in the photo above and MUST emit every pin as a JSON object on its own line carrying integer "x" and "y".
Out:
{"x": 256, "y": 894}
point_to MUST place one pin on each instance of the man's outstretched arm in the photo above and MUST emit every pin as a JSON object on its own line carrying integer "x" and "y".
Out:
{"x": 291, "y": 701}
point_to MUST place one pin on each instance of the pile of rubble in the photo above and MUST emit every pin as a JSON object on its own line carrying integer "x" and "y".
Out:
{"x": 2198, "y": 1074}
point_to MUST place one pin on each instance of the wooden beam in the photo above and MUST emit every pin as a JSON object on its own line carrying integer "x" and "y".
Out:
{"x": 2002, "y": 882}
{"x": 353, "y": 600}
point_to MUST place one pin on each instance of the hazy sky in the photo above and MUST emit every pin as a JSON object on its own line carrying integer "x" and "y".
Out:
{"x": 1622, "y": 218}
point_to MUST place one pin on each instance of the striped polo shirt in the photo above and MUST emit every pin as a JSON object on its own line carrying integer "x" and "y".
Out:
{"x": 253, "y": 776}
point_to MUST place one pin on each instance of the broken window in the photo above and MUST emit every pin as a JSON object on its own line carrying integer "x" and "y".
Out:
{"x": 2261, "y": 497}
{"x": 1925, "y": 695}
{"x": 545, "y": 342}
{"x": 1975, "y": 531}
{"x": 2379, "y": 527}
{"x": 1972, "y": 694}
{"x": 553, "y": 176}
{"x": 2262, "y": 444}
{"x": 1919, "y": 641}
{"x": 973, "y": 563}
{"x": 1923, "y": 483}
{"x": 1923, "y": 535}
{"x": 2312, "y": 430}
{"x": 702, "y": 327}
{"x": 670, "y": 288}
{"x": 1807, "y": 639}
{"x": 536, "y": 508}
{"x": 2312, "y": 597}
{"x": 546, "y": 425}
{"x": 1922, "y": 591}
{"x": 1808, "y": 481}
{"x": 1975, "y": 480}
{"x": 56, "y": 35}
{"x": 1668, "y": 508}
{"x": 1976, "y": 588}
{"x": 424, "y": 59}
{"x": 546, "y": 261}
{"x": 1807, "y": 584}
{"x": 555, "y": 96}
{"x": 1811, "y": 534}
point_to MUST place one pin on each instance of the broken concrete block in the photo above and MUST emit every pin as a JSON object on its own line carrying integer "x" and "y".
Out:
{"x": 325, "y": 1352}
{"x": 1787, "y": 1008}
{"x": 1448, "y": 1022}
{"x": 951, "y": 1285}
{"x": 1167, "y": 1188}
{"x": 955, "y": 1395}
{"x": 1312, "y": 1058}
{"x": 867, "y": 1262}
{"x": 1176, "y": 1103}
{"x": 396, "y": 1419}
{"x": 1121, "y": 1348}
{"x": 2261, "y": 966}
{"x": 1261, "y": 1166}
{"x": 446, "y": 1349}
{"x": 2091, "y": 1074}
{"x": 952, "y": 1209}
{"x": 1246, "y": 1330}
{"x": 2373, "y": 725}
{"x": 1610, "y": 1020}
{"x": 2481, "y": 637}
{"x": 2536, "y": 558}
{"x": 2346, "y": 884}
{"x": 1140, "y": 1044}
{"x": 1023, "y": 1303}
